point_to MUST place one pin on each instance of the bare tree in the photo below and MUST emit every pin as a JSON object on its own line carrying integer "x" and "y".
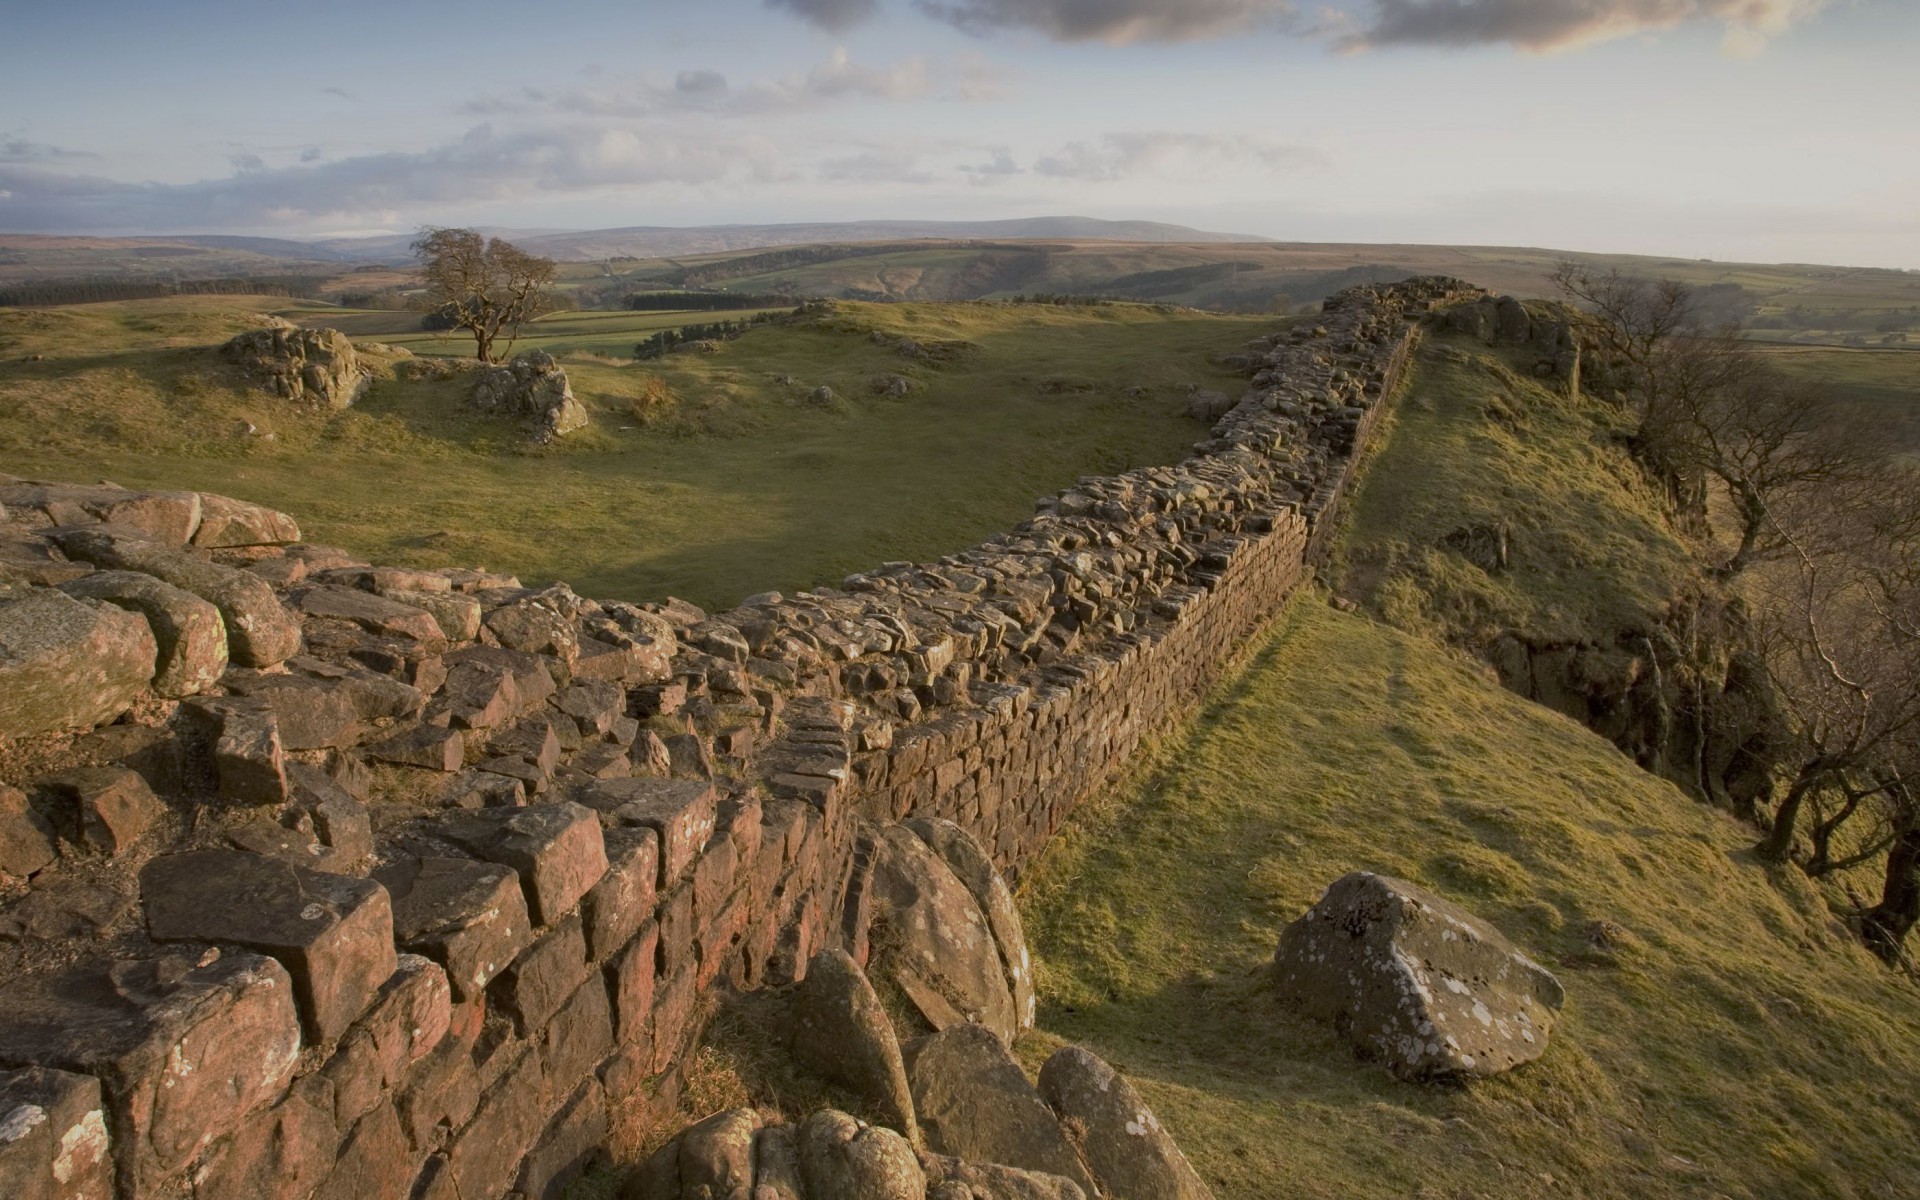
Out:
{"x": 488, "y": 287}
{"x": 1840, "y": 634}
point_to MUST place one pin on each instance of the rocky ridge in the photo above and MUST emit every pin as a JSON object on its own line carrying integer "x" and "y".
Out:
{"x": 423, "y": 887}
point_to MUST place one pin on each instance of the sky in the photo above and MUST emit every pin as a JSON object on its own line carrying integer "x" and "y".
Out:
{"x": 1757, "y": 130}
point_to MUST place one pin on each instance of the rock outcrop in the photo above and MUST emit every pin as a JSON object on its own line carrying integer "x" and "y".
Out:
{"x": 532, "y": 385}
{"x": 1416, "y": 981}
{"x": 307, "y": 366}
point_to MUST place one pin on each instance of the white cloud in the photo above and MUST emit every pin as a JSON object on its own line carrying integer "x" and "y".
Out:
{"x": 1116, "y": 156}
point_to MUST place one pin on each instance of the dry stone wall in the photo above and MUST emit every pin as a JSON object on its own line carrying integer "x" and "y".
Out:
{"x": 422, "y": 890}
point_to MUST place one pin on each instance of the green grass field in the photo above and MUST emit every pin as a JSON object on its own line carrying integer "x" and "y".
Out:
{"x": 734, "y": 484}
{"x": 1736, "y": 1041}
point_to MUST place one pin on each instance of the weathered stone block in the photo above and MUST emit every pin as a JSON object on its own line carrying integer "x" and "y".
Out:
{"x": 185, "y": 1054}
{"x": 190, "y": 633}
{"x": 410, "y": 1017}
{"x": 574, "y": 1142}
{"x": 428, "y": 746}
{"x": 543, "y": 977}
{"x": 283, "y": 1153}
{"x": 974, "y": 1101}
{"x": 26, "y": 840}
{"x": 105, "y": 809}
{"x": 557, "y": 849}
{"x": 469, "y": 917}
{"x": 334, "y": 933}
{"x": 482, "y": 1157}
{"x": 226, "y": 522}
{"x": 375, "y": 614}
{"x": 630, "y": 976}
{"x": 260, "y": 630}
{"x": 579, "y": 1035}
{"x": 1124, "y": 1147}
{"x": 374, "y": 1162}
{"x": 53, "y": 1137}
{"x": 67, "y": 663}
{"x": 682, "y": 812}
{"x": 614, "y": 909}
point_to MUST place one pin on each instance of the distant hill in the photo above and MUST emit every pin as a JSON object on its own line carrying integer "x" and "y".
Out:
{"x": 644, "y": 241}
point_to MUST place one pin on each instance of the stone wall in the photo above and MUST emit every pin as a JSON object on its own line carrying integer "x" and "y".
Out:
{"x": 428, "y": 900}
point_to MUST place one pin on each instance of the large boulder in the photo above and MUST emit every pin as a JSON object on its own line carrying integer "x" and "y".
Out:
{"x": 930, "y": 937}
{"x": 532, "y": 385}
{"x": 67, "y": 663}
{"x": 1416, "y": 981}
{"x": 226, "y": 522}
{"x": 309, "y": 366}
{"x": 845, "y": 1159}
{"x": 1120, "y": 1140}
{"x": 957, "y": 1179}
{"x": 975, "y": 1102}
{"x": 840, "y": 1032}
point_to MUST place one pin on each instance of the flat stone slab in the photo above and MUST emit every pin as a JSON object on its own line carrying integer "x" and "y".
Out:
{"x": 334, "y": 933}
{"x": 1416, "y": 981}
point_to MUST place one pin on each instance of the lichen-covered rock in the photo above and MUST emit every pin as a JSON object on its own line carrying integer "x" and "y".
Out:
{"x": 313, "y": 366}
{"x": 929, "y": 933}
{"x": 845, "y": 1159}
{"x": 191, "y": 634}
{"x": 975, "y": 1102}
{"x": 839, "y": 1031}
{"x": 1118, "y": 1137}
{"x": 1416, "y": 981}
{"x": 970, "y": 862}
{"x": 532, "y": 385}
{"x": 67, "y": 663}
{"x": 957, "y": 1179}
{"x": 260, "y": 630}
{"x": 164, "y": 516}
{"x": 226, "y": 522}
{"x": 53, "y": 1137}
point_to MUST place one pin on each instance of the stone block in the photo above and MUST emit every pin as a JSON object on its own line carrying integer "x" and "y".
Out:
{"x": 375, "y": 614}
{"x": 26, "y": 839}
{"x": 283, "y": 1153}
{"x": 573, "y": 1143}
{"x": 53, "y": 1137}
{"x": 682, "y": 812}
{"x": 374, "y": 1161}
{"x": 190, "y": 633}
{"x": 482, "y": 1157}
{"x": 105, "y": 809}
{"x": 185, "y": 1054}
{"x": 579, "y": 1036}
{"x": 543, "y": 977}
{"x": 439, "y": 1095}
{"x": 410, "y": 1017}
{"x": 226, "y": 522}
{"x": 614, "y": 909}
{"x": 630, "y": 977}
{"x": 428, "y": 746}
{"x": 334, "y": 933}
{"x": 557, "y": 849}
{"x": 67, "y": 663}
{"x": 248, "y": 757}
{"x": 457, "y": 615}
{"x": 469, "y": 917}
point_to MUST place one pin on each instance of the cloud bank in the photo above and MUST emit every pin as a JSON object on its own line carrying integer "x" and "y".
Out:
{"x": 1116, "y": 22}
{"x": 1546, "y": 25}
{"x": 830, "y": 15}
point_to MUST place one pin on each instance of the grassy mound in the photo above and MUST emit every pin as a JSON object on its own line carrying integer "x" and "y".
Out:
{"x": 706, "y": 475}
{"x": 1723, "y": 1036}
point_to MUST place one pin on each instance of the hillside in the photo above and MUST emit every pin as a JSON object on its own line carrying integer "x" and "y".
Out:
{"x": 1724, "y": 1035}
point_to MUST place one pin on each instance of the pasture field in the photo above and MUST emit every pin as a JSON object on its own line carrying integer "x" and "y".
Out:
{"x": 709, "y": 476}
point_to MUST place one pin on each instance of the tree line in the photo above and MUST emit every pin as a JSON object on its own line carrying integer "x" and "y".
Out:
{"x": 1811, "y": 527}
{"x": 102, "y": 290}
{"x": 705, "y": 301}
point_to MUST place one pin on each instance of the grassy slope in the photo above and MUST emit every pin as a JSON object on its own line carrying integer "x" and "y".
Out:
{"x": 1738, "y": 1044}
{"x": 739, "y": 486}
{"x": 1474, "y": 442}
